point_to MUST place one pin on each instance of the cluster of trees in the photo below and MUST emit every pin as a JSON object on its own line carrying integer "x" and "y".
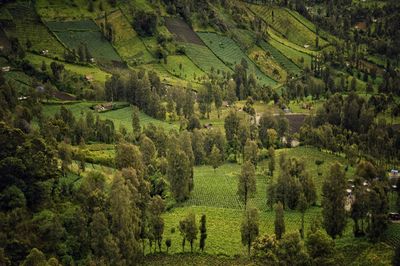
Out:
{"x": 189, "y": 231}
{"x": 293, "y": 186}
{"x": 347, "y": 124}
{"x": 141, "y": 89}
{"x": 88, "y": 127}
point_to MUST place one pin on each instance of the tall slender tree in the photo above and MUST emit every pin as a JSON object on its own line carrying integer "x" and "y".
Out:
{"x": 279, "y": 221}
{"x": 247, "y": 182}
{"x": 333, "y": 201}
{"x": 250, "y": 227}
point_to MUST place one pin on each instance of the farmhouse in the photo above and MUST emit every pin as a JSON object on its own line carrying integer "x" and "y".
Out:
{"x": 5, "y": 69}
{"x": 89, "y": 78}
{"x": 103, "y": 107}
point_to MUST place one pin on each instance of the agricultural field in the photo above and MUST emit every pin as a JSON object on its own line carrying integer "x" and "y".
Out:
{"x": 126, "y": 40}
{"x": 299, "y": 58}
{"x": 182, "y": 31}
{"x": 267, "y": 63}
{"x": 28, "y": 26}
{"x": 70, "y": 10}
{"x": 202, "y": 57}
{"x": 280, "y": 58}
{"x": 75, "y": 34}
{"x": 21, "y": 81}
{"x": 288, "y": 26}
{"x": 182, "y": 67}
{"x": 215, "y": 195}
{"x": 120, "y": 117}
{"x": 229, "y": 52}
{"x": 97, "y": 74}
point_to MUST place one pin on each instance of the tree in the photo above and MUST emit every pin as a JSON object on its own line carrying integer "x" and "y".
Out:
{"x": 64, "y": 152}
{"x": 179, "y": 173}
{"x": 250, "y": 227}
{"x": 378, "y": 209}
{"x": 302, "y": 205}
{"x": 291, "y": 251}
{"x": 396, "y": 256}
{"x": 203, "y": 232}
{"x": 156, "y": 208}
{"x": 125, "y": 217}
{"x": 215, "y": 157}
{"x": 102, "y": 242}
{"x": 35, "y": 258}
{"x": 136, "y": 122}
{"x": 279, "y": 220}
{"x": 188, "y": 229}
{"x": 90, "y": 6}
{"x": 168, "y": 243}
{"x": 251, "y": 152}
{"x": 333, "y": 201}
{"x": 321, "y": 248}
{"x": 247, "y": 182}
{"x": 128, "y": 155}
{"x": 271, "y": 161}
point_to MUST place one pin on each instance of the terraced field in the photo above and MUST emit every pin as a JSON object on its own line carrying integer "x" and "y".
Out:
{"x": 287, "y": 25}
{"x": 280, "y": 58}
{"x": 97, "y": 74}
{"x": 294, "y": 55}
{"x": 120, "y": 117}
{"x": 29, "y": 27}
{"x": 214, "y": 194}
{"x": 75, "y": 34}
{"x": 182, "y": 67}
{"x": 127, "y": 41}
{"x": 182, "y": 31}
{"x": 229, "y": 52}
{"x": 70, "y": 10}
{"x": 202, "y": 57}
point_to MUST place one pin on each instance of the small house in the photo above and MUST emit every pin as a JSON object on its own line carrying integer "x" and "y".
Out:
{"x": 5, "y": 69}
{"x": 89, "y": 78}
{"x": 103, "y": 107}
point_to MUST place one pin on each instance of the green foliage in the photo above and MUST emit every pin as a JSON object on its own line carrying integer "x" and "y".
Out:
{"x": 247, "y": 185}
{"x": 250, "y": 227}
{"x": 333, "y": 201}
{"x": 279, "y": 221}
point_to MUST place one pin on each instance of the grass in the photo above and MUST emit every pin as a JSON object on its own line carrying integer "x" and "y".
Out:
{"x": 127, "y": 41}
{"x": 287, "y": 25}
{"x": 120, "y": 117}
{"x": 182, "y": 67}
{"x": 202, "y": 57}
{"x": 228, "y": 51}
{"x": 19, "y": 79}
{"x": 84, "y": 32}
{"x": 29, "y": 27}
{"x": 97, "y": 74}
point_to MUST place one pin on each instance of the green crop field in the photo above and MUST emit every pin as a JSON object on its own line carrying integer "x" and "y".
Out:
{"x": 287, "y": 25}
{"x": 296, "y": 56}
{"x": 280, "y": 58}
{"x": 229, "y": 52}
{"x": 127, "y": 41}
{"x": 97, "y": 74}
{"x": 70, "y": 10}
{"x": 204, "y": 58}
{"x": 181, "y": 66}
{"x": 120, "y": 117}
{"x": 392, "y": 235}
{"x": 21, "y": 81}
{"x": 75, "y": 34}
{"x": 29, "y": 27}
{"x": 214, "y": 194}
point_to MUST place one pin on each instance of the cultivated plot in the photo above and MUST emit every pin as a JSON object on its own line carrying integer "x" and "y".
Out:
{"x": 228, "y": 51}
{"x": 78, "y": 34}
